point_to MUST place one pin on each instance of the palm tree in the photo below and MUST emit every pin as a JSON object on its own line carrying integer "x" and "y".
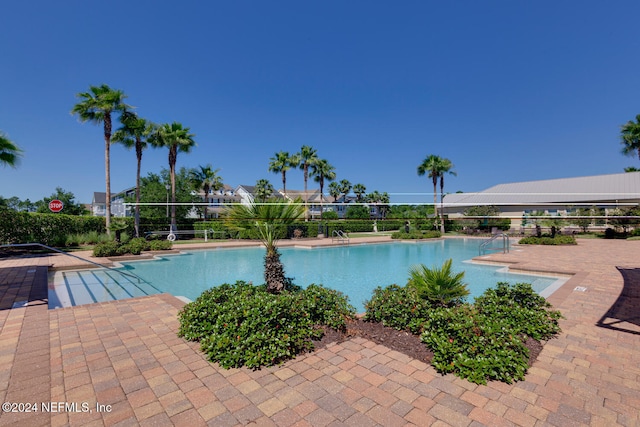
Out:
{"x": 432, "y": 167}
{"x": 438, "y": 285}
{"x": 133, "y": 134}
{"x": 10, "y": 153}
{"x": 307, "y": 157}
{"x": 205, "y": 179}
{"x": 177, "y": 139}
{"x": 359, "y": 190}
{"x": 281, "y": 163}
{"x": 345, "y": 187}
{"x": 381, "y": 201}
{"x": 321, "y": 170}
{"x": 446, "y": 168}
{"x": 630, "y": 137}
{"x": 263, "y": 190}
{"x": 334, "y": 191}
{"x": 267, "y": 219}
{"x": 96, "y": 106}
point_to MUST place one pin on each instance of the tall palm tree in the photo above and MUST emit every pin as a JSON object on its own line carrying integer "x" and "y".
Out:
{"x": 281, "y": 163}
{"x": 630, "y": 137}
{"x": 267, "y": 219}
{"x": 263, "y": 190}
{"x": 321, "y": 170}
{"x": 10, "y": 153}
{"x": 96, "y": 106}
{"x": 307, "y": 157}
{"x": 432, "y": 167}
{"x": 334, "y": 191}
{"x": 177, "y": 139}
{"x": 133, "y": 134}
{"x": 344, "y": 187}
{"x": 447, "y": 167}
{"x": 359, "y": 190}
{"x": 205, "y": 178}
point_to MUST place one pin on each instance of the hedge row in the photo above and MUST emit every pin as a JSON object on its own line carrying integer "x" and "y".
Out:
{"x": 49, "y": 229}
{"x": 225, "y": 230}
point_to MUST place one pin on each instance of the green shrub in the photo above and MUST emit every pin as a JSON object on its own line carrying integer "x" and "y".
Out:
{"x": 547, "y": 240}
{"x": 73, "y": 240}
{"x": 485, "y": 341}
{"x": 330, "y": 215}
{"x": 526, "y": 312}
{"x": 398, "y": 307}
{"x": 160, "y": 245}
{"x": 327, "y": 306}
{"x": 416, "y": 234}
{"x": 474, "y": 346}
{"x": 244, "y": 325}
{"x": 134, "y": 247}
{"x": 137, "y": 245}
{"x": 106, "y": 249}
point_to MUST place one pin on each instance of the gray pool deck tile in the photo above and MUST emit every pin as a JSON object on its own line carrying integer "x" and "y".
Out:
{"x": 123, "y": 362}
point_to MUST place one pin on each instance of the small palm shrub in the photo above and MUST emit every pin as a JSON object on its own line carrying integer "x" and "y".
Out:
{"x": 398, "y": 307}
{"x": 244, "y": 325}
{"x": 438, "y": 285}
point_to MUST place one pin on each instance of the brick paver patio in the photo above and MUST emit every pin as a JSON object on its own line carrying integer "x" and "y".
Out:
{"x": 126, "y": 356}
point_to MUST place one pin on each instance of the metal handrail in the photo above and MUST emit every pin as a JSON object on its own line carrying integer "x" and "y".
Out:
{"x": 505, "y": 243}
{"x": 340, "y": 236}
{"x": 16, "y": 245}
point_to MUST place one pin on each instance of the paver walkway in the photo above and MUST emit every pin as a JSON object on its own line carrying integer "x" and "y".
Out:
{"x": 126, "y": 356}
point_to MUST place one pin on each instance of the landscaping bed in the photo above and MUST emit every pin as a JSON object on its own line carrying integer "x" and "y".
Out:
{"x": 400, "y": 341}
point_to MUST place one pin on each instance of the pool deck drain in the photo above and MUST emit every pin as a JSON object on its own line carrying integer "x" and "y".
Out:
{"x": 126, "y": 354}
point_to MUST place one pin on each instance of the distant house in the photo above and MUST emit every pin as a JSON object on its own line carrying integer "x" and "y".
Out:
{"x": 118, "y": 209}
{"x": 217, "y": 199}
{"x": 552, "y": 196}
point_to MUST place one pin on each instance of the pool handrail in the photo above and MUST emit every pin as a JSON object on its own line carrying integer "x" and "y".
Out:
{"x": 17, "y": 245}
{"x": 505, "y": 243}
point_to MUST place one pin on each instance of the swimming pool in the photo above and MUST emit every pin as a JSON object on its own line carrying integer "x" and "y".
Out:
{"x": 355, "y": 270}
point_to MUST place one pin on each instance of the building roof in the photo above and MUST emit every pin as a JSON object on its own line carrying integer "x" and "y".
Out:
{"x": 99, "y": 197}
{"x": 613, "y": 188}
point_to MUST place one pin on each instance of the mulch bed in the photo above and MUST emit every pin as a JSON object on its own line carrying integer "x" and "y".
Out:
{"x": 400, "y": 341}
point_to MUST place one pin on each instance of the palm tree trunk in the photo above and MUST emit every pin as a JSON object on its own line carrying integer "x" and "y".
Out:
{"x": 435, "y": 198}
{"x": 107, "y": 169}
{"x": 442, "y": 203}
{"x": 137, "y": 208}
{"x": 306, "y": 196}
{"x": 321, "y": 197}
{"x": 273, "y": 271}
{"x": 284, "y": 182}
{"x": 173, "y": 153}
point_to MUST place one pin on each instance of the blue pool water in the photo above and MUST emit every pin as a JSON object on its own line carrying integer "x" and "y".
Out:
{"x": 355, "y": 270}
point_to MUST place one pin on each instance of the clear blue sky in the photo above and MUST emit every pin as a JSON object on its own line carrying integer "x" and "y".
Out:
{"x": 509, "y": 91}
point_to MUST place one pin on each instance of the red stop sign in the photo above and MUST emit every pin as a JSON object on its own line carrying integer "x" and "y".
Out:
{"x": 55, "y": 205}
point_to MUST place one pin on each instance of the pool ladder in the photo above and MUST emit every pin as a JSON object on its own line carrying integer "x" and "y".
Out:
{"x": 340, "y": 236}
{"x": 21, "y": 245}
{"x": 484, "y": 246}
